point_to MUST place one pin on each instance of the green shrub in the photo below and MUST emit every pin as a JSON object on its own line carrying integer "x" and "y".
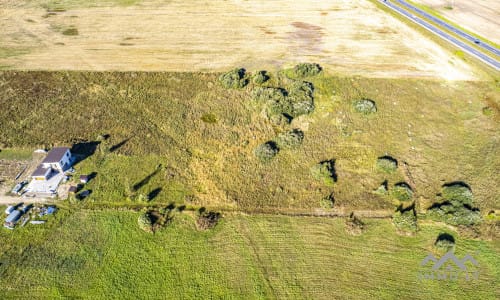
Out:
{"x": 260, "y": 77}
{"x": 405, "y": 220}
{"x": 234, "y": 79}
{"x": 445, "y": 242}
{"x": 453, "y": 215}
{"x": 365, "y": 106}
{"x": 265, "y": 152}
{"x": 382, "y": 189}
{"x": 306, "y": 69}
{"x": 145, "y": 222}
{"x": 402, "y": 191}
{"x": 387, "y": 164}
{"x": 325, "y": 172}
{"x": 300, "y": 96}
{"x": 327, "y": 202}
{"x": 457, "y": 193}
{"x": 290, "y": 139}
{"x": 280, "y": 119}
{"x": 298, "y": 100}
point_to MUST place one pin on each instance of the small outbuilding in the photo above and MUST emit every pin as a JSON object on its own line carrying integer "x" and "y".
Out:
{"x": 9, "y": 209}
{"x": 72, "y": 190}
{"x": 84, "y": 178}
{"x": 12, "y": 219}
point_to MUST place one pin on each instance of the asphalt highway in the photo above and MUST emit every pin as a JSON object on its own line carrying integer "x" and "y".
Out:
{"x": 465, "y": 47}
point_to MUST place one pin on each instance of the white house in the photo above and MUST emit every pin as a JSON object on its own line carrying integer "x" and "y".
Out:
{"x": 58, "y": 160}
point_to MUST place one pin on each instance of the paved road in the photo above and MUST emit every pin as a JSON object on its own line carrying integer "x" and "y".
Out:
{"x": 457, "y": 31}
{"x": 481, "y": 56}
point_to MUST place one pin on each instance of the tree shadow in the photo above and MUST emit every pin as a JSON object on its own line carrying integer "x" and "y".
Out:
{"x": 154, "y": 193}
{"x": 119, "y": 145}
{"x": 445, "y": 237}
{"x": 146, "y": 179}
{"x": 83, "y": 150}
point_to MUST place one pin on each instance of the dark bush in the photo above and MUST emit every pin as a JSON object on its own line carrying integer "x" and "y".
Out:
{"x": 445, "y": 242}
{"x": 402, "y": 191}
{"x": 306, "y": 69}
{"x": 207, "y": 220}
{"x": 234, "y": 79}
{"x": 265, "y": 152}
{"x": 290, "y": 139}
{"x": 387, "y": 164}
{"x": 260, "y": 77}
{"x": 325, "y": 171}
{"x": 365, "y": 106}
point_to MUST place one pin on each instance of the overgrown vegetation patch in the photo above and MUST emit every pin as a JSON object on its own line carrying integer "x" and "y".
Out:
{"x": 234, "y": 79}
{"x": 405, "y": 220}
{"x": 325, "y": 172}
{"x": 402, "y": 191}
{"x": 457, "y": 207}
{"x": 290, "y": 139}
{"x": 260, "y": 77}
{"x": 306, "y": 69}
{"x": 207, "y": 220}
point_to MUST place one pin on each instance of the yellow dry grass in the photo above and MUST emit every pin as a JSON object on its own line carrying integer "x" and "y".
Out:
{"x": 347, "y": 37}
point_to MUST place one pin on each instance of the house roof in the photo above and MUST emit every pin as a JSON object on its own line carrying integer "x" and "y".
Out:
{"x": 55, "y": 155}
{"x": 40, "y": 171}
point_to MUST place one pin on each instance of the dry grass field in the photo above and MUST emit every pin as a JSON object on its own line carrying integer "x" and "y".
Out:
{"x": 480, "y": 16}
{"x": 348, "y": 37}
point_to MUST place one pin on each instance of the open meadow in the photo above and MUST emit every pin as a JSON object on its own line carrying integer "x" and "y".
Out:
{"x": 183, "y": 138}
{"x": 347, "y": 37}
{"x": 102, "y": 254}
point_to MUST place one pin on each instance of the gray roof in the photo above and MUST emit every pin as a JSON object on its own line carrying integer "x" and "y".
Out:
{"x": 40, "y": 171}
{"x": 13, "y": 217}
{"x": 55, "y": 155}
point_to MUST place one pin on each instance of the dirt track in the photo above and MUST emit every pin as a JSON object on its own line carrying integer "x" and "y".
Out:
{"x": 348, "y": 37}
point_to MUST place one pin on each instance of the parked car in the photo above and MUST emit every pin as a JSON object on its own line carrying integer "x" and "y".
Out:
{"x": 18, "y": 187}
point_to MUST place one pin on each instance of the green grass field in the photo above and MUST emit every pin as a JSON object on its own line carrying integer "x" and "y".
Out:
{"x": 103, "y": 254}
{"x": 438, "y": 128}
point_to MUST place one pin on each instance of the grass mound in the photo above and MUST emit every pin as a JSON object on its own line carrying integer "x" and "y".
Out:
{"x": 402, "y": 191}
{"x": 444, "y": 242}
{"x": 325, "y": 172}
{"x": 290, "y": 139}
{"x": 365, "y": 106}
{"x": 234, "y": 79}
{"x": 387, "y": 164}
{"x": 265, "y": 152}
{"x": 306, "y": 69}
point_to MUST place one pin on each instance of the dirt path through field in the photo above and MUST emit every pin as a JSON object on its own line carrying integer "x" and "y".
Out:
{"x": 348, "y": 37}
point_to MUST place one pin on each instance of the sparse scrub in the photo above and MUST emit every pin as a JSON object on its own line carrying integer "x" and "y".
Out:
{"x": 260, "y": 77}
{"x": 265, "y": 152}
{"x": 306, "y": 69}
{"x": 387, "y": 164}
{"x": 234, "y": 79}
{"x": 354, "y": 225}
{"x": 290, "y": 139}
{"x": 325, "y": 172}
{"x": 402, "y": 191}
{"x": 365, "y": 106}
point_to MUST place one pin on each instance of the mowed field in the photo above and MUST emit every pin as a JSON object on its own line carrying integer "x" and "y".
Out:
{"x": 183, "y": 138}
{"x": 348, "y": 37}
{"x": 481, "y": 16}
{"x": 103, "y": 254}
